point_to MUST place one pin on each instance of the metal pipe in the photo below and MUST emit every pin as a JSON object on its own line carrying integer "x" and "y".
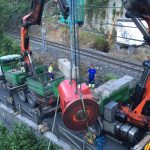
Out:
{"x": 53, "y": 126}
{"x": 75, "y": 41}
{"x": 71, "y": 42}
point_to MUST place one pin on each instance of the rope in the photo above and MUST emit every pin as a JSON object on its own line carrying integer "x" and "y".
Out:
{"x": 71, "y": 42}
{"x": 82, "y": 101}
{"x": 75, "y": 35}
{"x": 75, "y": 41}
{"x": 53, "y": 126}
{"x": 84, "y": 109}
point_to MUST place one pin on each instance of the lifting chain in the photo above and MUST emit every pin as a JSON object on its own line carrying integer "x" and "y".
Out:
{"x": 74, "y": 42}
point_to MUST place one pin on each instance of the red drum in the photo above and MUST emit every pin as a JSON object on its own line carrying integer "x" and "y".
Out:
{"x": 71, "y": 105}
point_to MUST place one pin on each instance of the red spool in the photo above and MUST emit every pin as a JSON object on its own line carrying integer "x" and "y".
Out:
{"x": 71, "y": 106}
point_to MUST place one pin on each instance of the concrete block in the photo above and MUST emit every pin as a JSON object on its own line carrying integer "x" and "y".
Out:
{"x": 60, "y": 63}
{"x": 67, "y": 68}
{"x": 112, "y": 86}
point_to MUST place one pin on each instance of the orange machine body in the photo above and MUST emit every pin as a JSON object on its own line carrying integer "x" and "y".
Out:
{"x": 135, "y": 116}
{"x": 25, "y": 47}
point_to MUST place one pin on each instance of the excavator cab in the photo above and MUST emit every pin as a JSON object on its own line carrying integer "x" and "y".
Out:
{"x": 9, "y": 62}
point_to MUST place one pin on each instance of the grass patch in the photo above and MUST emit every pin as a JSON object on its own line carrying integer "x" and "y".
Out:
{"x": 94, "y": 41}
{"x": 110, "y": 76}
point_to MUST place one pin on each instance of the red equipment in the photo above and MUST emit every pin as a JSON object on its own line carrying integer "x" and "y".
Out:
{"x": 71, "y": 106}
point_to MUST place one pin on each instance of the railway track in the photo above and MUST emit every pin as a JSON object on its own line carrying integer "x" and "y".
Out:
{"x": 96, "y": 55}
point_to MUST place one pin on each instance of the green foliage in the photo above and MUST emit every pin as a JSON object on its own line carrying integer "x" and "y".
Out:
{"x": 8, "y": 46}
{"x": 19, "y": 6}
{"x": 3, "y": 14}
{"x": 97, "y": 7}
{"x": 11, "y": 8}
{"x": 101, "y": 44}
{"x": 54, "y": 147}
{"x": 22, "y": 138}
{"x": 110, "y": 76}
{"x": 95, "y": 41}
{"x": 4, "y": 138}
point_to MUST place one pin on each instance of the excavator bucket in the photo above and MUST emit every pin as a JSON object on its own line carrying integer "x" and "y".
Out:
{"x": 138, "y": 7}
{"x": 37, "y": 10}
{"x": 137, "y": 10}
{"x": 64, "y": 7}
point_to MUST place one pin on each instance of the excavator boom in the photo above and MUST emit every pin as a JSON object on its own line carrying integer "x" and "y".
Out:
{"x": 34, "y": 18}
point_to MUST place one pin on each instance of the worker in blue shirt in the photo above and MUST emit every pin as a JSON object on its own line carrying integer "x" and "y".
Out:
{"x": 91, "y": 76}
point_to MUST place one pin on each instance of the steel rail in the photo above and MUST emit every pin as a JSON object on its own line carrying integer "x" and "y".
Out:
{"x": 96, "y": 55}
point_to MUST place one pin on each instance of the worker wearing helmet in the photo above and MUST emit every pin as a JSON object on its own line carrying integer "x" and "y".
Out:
{"x": 91, "y": 76}
{"x": 51, "y": 71}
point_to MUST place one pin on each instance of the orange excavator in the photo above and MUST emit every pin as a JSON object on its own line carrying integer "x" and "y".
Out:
{"x": 138, "y": 113}
{"x": 34, "y": 18}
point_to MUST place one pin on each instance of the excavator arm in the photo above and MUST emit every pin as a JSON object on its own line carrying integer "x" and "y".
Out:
{"x": 34, "y": 18}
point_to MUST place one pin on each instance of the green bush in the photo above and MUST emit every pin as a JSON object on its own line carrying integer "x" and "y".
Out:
{"x": 4, "y": 138}
{"x": 8, "y": 46}
{"x": 86, "y": 36}
{"x": 92, "y": 8}
{"x": 101, "y": 44}
{"x": 94, "y": 41}
{"x": 109, "y": 76}
{"x": 22, "y": 138}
